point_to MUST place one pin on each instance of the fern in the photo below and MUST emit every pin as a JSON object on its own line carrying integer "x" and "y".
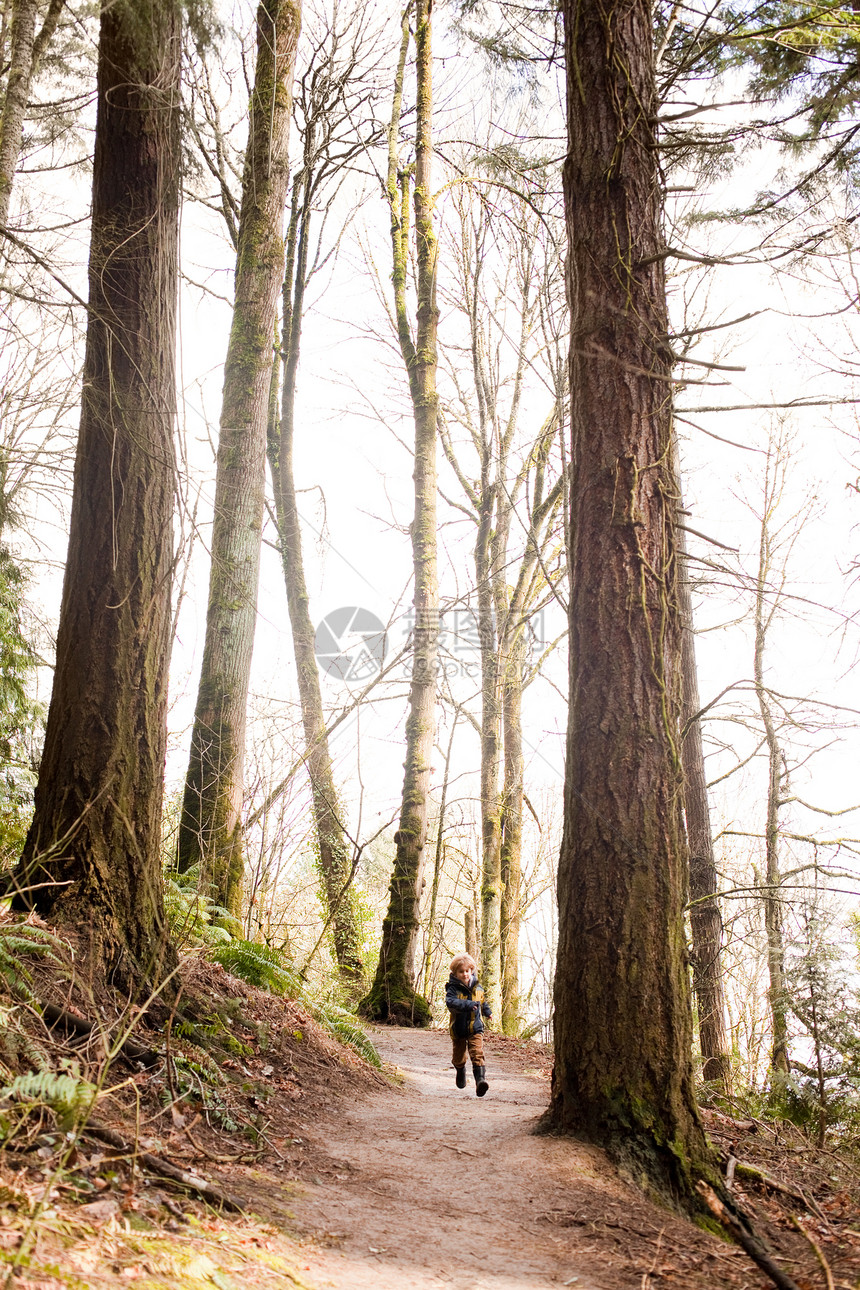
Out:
{"x": 67, "y": 1093}
{"x": 346, "y": 1028}
{"x": 259, "y": 965}
{"x": 194, "y": 917}
{"x": 16, "y": 1045}
{"x": 17, "y": 940}
{"x": 266, "y": 968}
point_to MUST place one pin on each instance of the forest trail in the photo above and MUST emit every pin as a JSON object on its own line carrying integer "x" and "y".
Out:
{"x": 430, "y": 1186}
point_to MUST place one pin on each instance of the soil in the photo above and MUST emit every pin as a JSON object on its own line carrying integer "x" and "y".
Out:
{"x": 428, "y": 1186}
{"x": 351, "y": 1179}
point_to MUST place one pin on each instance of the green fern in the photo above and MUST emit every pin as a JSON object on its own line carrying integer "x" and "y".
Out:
{"x": 259, "y": 965}
{"x": 194, "y": 917}
{"x": 346, "y": 1028}
{"x": 67, "y": 1093}
{"x": 16, "y": 1045}
{"x": 268, "y": 969}
{"x": 18, "y": 940}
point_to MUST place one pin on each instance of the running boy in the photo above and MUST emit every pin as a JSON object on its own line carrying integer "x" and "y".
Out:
{"x": 464, "y": 999}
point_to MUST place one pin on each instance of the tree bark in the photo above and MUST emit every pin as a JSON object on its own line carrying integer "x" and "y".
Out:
{"x": 26, "y": 49}
{"x": 512, "y": 839}
{"x": 771, "y": 897}
{"x": 512, "y": 836}
{"x": 491, "y": 717}
{"x": 623, "y": 1072}
{"x": 426, "y": 982}
{"x": 334, "y": 858}
{"x": 470, "y": 933}
{"x": 706, "y": 922}
{"x": 392, "y": 996}
{"x": 210, "y": 830}
{"x": 96, "y": 833}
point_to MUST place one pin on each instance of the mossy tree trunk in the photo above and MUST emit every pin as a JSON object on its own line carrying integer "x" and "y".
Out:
{"x": 512, "y": 836}
{"x": 26, "y": 47}
{"x": 487, "y": 550}
{"x": 334, "y": 858}
{"x": 706, "y": 924}
{"x": 210, "y": 830}
{"x": 623, "y": 1072}
{"x": 769, "y": 579}
{"x": 392, "y": 996}
{"x": 507, "y": 480}
{"x": 95, "y": 837}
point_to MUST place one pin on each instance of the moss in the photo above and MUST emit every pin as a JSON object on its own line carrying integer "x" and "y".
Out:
{"x": 395, "y": 1003}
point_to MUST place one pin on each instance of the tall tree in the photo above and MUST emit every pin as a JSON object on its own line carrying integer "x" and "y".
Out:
{"x": 508, "y": 283}
{"x": 26, "y": 48}
{"x": 393, "y": 997}
{"x": 333, "y": 100}
{"x": 92, "y": 856}
{"x": 210, "y": 830}
{"x": 776, "y": 540}
{"x": 706, "y": 922}
{"x": 623, "y": 1072}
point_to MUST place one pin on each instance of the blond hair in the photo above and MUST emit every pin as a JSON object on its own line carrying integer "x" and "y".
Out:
{"x": 462, "y": 960}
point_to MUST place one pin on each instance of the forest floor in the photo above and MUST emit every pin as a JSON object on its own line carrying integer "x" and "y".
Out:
{"x": 345, "y": 1178}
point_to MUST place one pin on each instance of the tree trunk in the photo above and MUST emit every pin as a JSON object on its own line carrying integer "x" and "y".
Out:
{"x": 334, "y": 858}
{"x": 491, "y": 717}
{"x": 705, "y": 919}
{"x": 771, "y": 897}
{"x": 210, "y": 830}
{"x": 97, "y": 824}
{"x": 512, "y": 836}
{"x": 392, "y": 996}
{"x": 437, "y": 863}
{"x": 26, "y": 49}
{"x": 470, "y": 933}
{"x": 623, "y": 1073}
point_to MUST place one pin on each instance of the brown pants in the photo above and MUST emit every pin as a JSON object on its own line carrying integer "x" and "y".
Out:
{"x": 475, "y": 1045}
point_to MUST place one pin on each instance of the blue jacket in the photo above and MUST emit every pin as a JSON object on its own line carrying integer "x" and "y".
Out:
{"x": 466, "y": 1005}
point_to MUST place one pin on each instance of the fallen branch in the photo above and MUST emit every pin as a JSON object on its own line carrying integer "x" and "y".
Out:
{"x": 819, "y": 1253}
{"x": 58, "y": 1017}
{"x": 164, "y": 1168}
{"x": 745, "y": 1237}
{"x": 758, "y": 1175}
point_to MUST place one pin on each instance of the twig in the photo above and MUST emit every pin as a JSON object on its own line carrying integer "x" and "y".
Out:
{"x": 738, "y": 1227}
{"x": 819, "y": 1253}
{"x": 461, "y": 1151}
{"x": 164, "y": 1168}
{"x": 758, "y": 1175}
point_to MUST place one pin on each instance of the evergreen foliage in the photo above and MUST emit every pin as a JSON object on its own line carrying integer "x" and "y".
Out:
{"x": 823, "y": 998}
{"x": 21, "y": 717}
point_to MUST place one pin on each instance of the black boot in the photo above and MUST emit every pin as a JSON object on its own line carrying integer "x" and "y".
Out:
{"x": 481, "y": 1085}
{"x": 461, "y": 1075}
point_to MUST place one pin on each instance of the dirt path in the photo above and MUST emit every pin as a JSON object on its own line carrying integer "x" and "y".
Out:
{"x": 429, "y": 1186}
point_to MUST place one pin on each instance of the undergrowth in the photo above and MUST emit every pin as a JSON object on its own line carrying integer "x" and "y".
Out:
{"x": 269, "y": 969}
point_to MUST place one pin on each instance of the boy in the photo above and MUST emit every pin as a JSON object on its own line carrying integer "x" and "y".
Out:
{"x": 464, "y": 999}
